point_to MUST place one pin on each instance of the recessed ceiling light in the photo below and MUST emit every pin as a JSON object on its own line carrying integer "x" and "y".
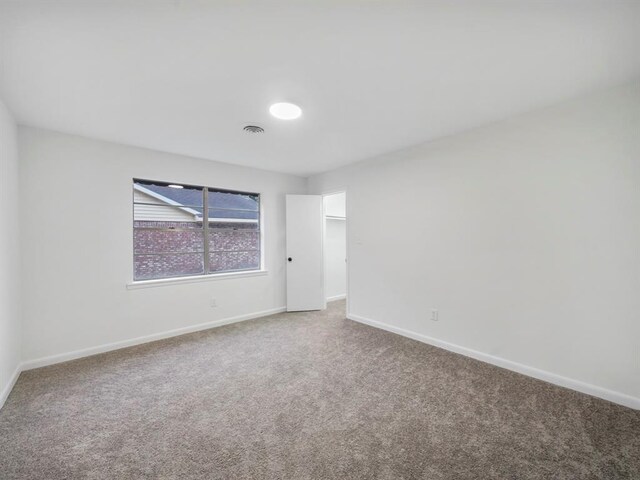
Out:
{"x": 285, "y": 111}
{"x": 175, "y": 186}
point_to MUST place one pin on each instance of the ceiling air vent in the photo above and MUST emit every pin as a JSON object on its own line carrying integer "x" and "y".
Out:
{"x": 253, "y": 129}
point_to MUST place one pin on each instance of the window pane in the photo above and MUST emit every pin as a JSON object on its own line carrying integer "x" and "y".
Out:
{"x": 229, "y": 261}
{"x": 233, "y": 205}
{"x": 231, "y": 239}
{"x": 148, "y": 267}
{"x": 152, "y": 240}
{"x": 166, "y": 213}
{"x": 234, "y": 231}
{"x": 245, "y": 225}
{"x": 161, "y": 193}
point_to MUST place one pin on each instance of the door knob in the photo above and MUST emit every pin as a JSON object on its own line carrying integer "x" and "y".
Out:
{"x": 290, "y": 259}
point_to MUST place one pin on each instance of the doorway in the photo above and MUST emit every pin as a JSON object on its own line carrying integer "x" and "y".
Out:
{"x": 335, "y": 245}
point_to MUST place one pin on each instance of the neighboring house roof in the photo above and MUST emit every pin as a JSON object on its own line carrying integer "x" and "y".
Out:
{"x": 222, "y": 205}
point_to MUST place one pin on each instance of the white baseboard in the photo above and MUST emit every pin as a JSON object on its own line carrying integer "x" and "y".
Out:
{"x": 64, "y": 357}
{"x": 600, "y": 392}
{"x": 12, "y": 381}
{"x": 337, "y": 297}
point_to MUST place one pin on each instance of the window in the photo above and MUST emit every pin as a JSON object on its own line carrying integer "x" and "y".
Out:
{"x": 171, "y": 237}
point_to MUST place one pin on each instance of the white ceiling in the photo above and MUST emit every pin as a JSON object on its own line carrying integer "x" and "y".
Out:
{"x": 371, "y": 76}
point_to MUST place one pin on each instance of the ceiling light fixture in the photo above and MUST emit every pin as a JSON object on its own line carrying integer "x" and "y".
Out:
{"x": 285, "y": 111}
{"x": 175, "y": 186}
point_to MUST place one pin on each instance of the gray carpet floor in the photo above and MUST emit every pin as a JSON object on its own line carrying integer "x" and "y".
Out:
{"x": 305, "y": 396}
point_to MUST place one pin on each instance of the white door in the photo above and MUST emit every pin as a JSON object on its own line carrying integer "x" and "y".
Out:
{"x": 305, "y": 276}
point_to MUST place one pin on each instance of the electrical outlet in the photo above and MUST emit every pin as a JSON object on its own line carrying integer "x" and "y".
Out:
{"x": 213, "y": 303}
{"x": 434, "y": 315}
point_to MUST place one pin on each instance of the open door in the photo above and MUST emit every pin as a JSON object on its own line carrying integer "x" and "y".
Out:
{"x": 305, "y": 272}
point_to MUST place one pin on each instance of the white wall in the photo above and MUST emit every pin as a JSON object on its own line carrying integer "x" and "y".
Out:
{"x": 335, "y": 204}
{"x": 335, "y": 246}
{"x": 9, "y": 255}
{"x": 525, "y": 234}
{"x": 77, "y": 265}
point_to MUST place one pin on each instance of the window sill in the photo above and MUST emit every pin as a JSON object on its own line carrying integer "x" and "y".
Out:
{"x": 161, "y": 282}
